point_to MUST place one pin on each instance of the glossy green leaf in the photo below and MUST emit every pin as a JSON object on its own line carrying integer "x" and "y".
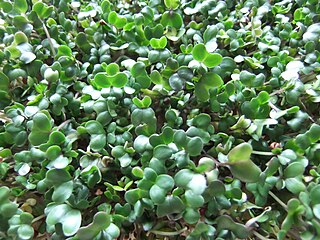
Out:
{"x": 69, "y": 218}
{"x": 102, "y": 80}
{"x": 191, "y": 215}
{"x": 193, "y": 200}
{"x": 208, "y": 81}
{"x": 162, "y": 152}
{"x": 172, "y": 4}
{"x": 195, "y": 146}
{"x": 172, "y": 19}
{"x": 51, "y": 75}
{"x": 6, "y": 6}
{"x": 144, "y": 103}
{"x": 57, "y": 176}
{"x": 199, "y": 52}
{"x": 240, "y": 164}
{"x": 98, "y": 137}
{"x": 157, "y": 194}
{"x": 101, "y": 221}
{"x": 172, "y": 204}
{"x": 21, "y": 6}
{"x": 116, "y": 20}
{"x": 62, "y": 192}
{"x": 42, "y": 10}
{"x": 40, "y": 129}
{"x": 294, "y": 185}
{"x": 158, "y": 43}
{"x": 293, "y": 170}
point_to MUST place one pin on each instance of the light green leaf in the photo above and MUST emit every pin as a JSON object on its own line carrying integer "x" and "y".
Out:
{"x": 62, "y": 192}
{"x": 69, "y": 218}
{"x": 172, "y": 4}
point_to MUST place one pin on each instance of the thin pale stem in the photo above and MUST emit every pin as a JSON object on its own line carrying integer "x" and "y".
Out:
{"x": 259, "y": 236}
{"x": 49, "y": 38}
{"x": 38, "y": 218}
{"x": 263, "y": 153}
{"x": 278, "y": 200}
{"x": 63, "y": 124}
{"x": 163, "y": 233}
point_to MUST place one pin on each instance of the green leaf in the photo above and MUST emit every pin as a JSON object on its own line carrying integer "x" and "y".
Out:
{"x": 316, "y": 210}
{"x": 116, "y": 20}
{"x": 4, "y": 193}
{"x": 6, "y": 6}
{"x": 125, "y": 160}
{"x": 294, "y": 185}
{"x": 157, "y": 194}
{"x": 212, "y": 59}
{"x": 27, "y": 57}
{"x": 20, "y": 37}
{"x": 150, "y": 174}
{"x": 176, "y": 82}
{"x": 57, "y": 176}
{"x": 133, "y": 195}
{"x": 42, "y": 10}
{"x": 293, "y": 170}
{"x": 102, "y": 80}
{"x": 208, "y": 81}
{"x": 144, "y": 103}
{"x": 191, "y": 215}
{"x": 40, "y": 129}
{"x": 172, "y": 4}
{"x": 197, "y": 184}
{"x": 172, "y": 204}
{"x": 98, "y": 137}
{"x": 202, "y": 120}
{"x": 165, "y": 182}
{"x": 314, "y": 195}
{"x": 62, "y": 192}
{"x": 101, "y": 221}
{"x": 91, "y": 175}
{"x": 193, "y": 200}
{"x": 51, "y": 75}
{"x": 226, "y": 222}
{"x": 194, "y": 146}
{"x": 183, "y": 177}
{"x": 139, "y": 72}
{"x": 162, "y": 152}
{"x": 69, "y": 218}
{"x": 312, "y": 33}
{"x": 199, "y": 52}
{"x": 56, "y": 137}
{"x": 25, "y": 231}
{"x": 137, "y": 172}
{"x": 172, "y": 19}
{"x": 112, "y": 69}
{"x": 64, "y": 50}
{"x": 205, "y": 165}
{"x": 141, "y": 143}
{"x": 240, "y": 164}
{"x": 21, "y": 6}
{"x": 119, "y": 80}
{"x": 158, "y": 43}
{"x": 53, "y": 152}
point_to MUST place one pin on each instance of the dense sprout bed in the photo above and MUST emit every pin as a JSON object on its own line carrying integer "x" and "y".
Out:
{"x": 159, "y": 119}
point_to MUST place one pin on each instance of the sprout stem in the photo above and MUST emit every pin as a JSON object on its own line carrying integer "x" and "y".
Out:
{"x": 278, "y": 200}
{"x": 263, "y": 153}
{"x": 38, "y": 218}
{"x": 258, "y": 235}
{"x": 168, "y": 233}
{"x": 49, "y": 38}
{"x": 63, "y": 124}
